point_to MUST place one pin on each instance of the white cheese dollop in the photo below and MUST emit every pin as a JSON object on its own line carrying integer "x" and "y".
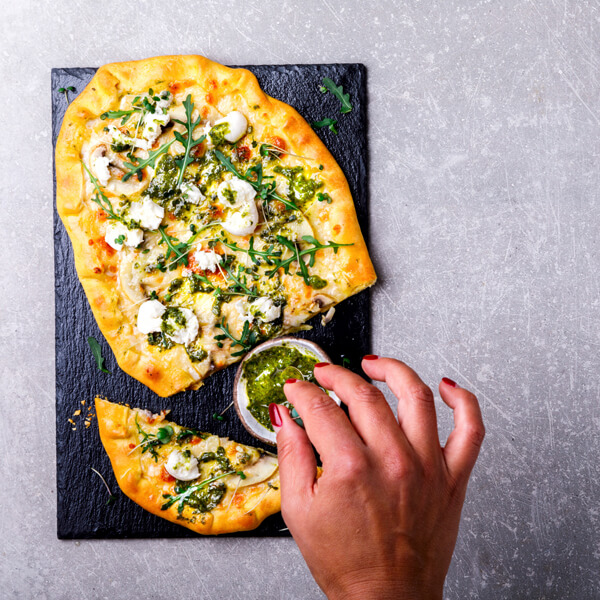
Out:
{"x": 150, "y": 315}
{"x": 119, "y": 137}
{"x": 235, "y": 192}
{"x": 207, "y": 260}
{"x": 237, "y": 125}
{"x": 243, "y": 221}
{"x": 263, "y": 308}
{"x": 182, "y": 467}
{"x": 186, "y": 333}
{"x": 99, "y": 164}
{"x": 238, "y": 197}
{"x": 191, "y": 193}
{"x": 147, "y": 213}
{"x": 133, "y": 237}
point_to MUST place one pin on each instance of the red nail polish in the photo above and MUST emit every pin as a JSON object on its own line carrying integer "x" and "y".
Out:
{"x": 291, "y": 380}
{"x": 370, "y": 357}
{"x": 274, "y": 415}
{"x": 323, "y": 364}
{"x": 448, "y": 382}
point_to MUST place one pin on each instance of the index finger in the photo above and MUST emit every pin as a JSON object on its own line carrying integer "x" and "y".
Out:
{"x": 326, "y": 424}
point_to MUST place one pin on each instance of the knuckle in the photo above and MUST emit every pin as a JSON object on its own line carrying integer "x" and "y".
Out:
{"x": 475, "y": 433}
{"x": 367, "y": 393}
{"x": 351, "y": 464}
{"x": 400, "y": 469}
{"x": 321, "y": 404}
{"x": 285, "y": 449}
{"x": 421, "y": 393}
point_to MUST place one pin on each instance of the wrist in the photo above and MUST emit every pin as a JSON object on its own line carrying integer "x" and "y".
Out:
{"x": 383, "y": 588}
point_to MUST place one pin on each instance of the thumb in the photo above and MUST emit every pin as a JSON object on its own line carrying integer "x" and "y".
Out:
{"x": 297, "y": 463}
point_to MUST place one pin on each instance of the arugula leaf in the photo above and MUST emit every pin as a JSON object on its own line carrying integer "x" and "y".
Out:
{"x": 327, "y": 122}
{"x": 183, "y": 496}
{"x": 298, "y": 254}
{"x": 266, "y": 191}
{"x": 100, "y": 199}
{"x": 246, "y": 340}
{"x": 97, "y": 352}
{"x": 338, "y": 92}
{"x": 187, "y": 142}
{"x": 135, "y": 169}
{"x": 179, "y": 250}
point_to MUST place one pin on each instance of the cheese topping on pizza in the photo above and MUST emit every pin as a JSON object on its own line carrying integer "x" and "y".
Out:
{"x": 208, "y": 222}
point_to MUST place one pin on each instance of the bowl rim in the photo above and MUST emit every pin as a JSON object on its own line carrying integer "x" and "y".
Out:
{"x": 279, "y": 341}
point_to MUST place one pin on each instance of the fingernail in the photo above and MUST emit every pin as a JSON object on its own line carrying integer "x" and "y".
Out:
{"x": 370, "y": 357}
{"x": 323, "y": 364}
{"x": 291, "y": 380}
{"x": 449, "y": 382}
{"x": 274, "y": 415}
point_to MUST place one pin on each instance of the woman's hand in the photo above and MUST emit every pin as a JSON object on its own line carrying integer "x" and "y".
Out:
{"x": 382, "y": 520}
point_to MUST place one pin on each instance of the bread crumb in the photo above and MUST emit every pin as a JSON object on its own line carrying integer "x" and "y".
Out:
{"x": 77, "y": 413}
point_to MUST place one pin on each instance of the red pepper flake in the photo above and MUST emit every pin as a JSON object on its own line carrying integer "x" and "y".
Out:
{"x": 97, "y": 270}
{"x": 132, "y": 445}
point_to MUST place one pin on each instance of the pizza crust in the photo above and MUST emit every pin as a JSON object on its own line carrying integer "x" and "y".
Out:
{"x": 223, "y": 89}
{"x": 139, "y": 478}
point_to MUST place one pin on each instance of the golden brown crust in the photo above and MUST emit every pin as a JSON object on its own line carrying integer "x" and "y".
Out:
{"x": 97, "y": 264}
{"x": 144, "y": 481}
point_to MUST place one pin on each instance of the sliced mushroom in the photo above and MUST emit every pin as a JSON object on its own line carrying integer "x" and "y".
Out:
{"x": 260, "y": 471}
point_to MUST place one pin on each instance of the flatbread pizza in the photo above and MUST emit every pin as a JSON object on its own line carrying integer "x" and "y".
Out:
{"x": 208, "y": 484}
{"x": 205, "y": 216}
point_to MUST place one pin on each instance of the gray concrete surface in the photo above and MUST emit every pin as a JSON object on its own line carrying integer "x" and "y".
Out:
{"x": 484, "y": 122}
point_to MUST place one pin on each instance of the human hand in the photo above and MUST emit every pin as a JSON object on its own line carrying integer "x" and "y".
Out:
{"x": 382, "y": 520}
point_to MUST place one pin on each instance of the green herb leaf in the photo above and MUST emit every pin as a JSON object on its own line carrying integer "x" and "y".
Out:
{"x": 248, "y": 338}
{"x": 100, "y": 198}
{"x": 338, "y": 92}
{"x": 327, "y": 122}
{"x": 188, "y": 141}
{"x": 266, "y": 191}
{"x": 183, "y": 496}
{"x": 97, "y": 352}
{"x": 179, "y": 250}
{"x": 164, "y": 434}
{"x": 298, "y": 254}
{"x": 135, "y": 169}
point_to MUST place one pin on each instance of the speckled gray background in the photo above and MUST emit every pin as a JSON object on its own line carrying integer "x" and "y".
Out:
{"x": 484, "y": 122}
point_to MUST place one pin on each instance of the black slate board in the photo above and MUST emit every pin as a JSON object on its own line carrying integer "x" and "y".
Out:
{"x": 82, "y": 510}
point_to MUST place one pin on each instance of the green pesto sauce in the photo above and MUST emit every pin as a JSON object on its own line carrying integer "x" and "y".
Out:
{"x": 316, "y": 282}
{"x": 302, "y": 189}
{"x": 267, "y": 371}
{"x": 164, "y": 182}
{"x": 218, "y": 132}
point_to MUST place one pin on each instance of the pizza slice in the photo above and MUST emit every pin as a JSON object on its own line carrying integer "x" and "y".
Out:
{"x": 205, "y": 216}
{"x": 208, "y": 484}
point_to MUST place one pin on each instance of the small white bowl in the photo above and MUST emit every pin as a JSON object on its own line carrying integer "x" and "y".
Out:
{"x": 240, "y": 396}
